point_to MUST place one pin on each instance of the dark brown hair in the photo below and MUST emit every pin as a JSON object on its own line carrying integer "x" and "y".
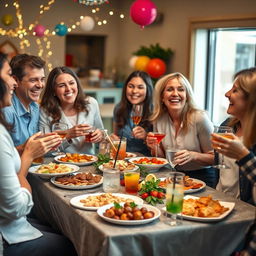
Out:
{"x": 125, "y": 106}
{"x": 3, "y": 91}
{"x": 51, "y": 104}
{"x": 21, "y": 61}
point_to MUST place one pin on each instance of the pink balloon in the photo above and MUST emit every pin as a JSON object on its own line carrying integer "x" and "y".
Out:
{"x": 143, "y": 12}
{"x": 39, "y": 30}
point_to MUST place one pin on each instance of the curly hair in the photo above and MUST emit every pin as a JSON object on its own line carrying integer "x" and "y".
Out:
{"x": 190, "y": 106}
{"x": 51, "y": 104}
{"x": 125, "y": 107}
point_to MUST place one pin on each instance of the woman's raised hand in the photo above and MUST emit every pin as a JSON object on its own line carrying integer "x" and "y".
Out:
{"x": 37, "y": 145}
{"x": 233, "y": 147}
{"x": 139, "y": 133}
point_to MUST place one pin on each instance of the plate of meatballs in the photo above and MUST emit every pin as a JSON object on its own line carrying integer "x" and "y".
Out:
{"x": 79, "y": 180}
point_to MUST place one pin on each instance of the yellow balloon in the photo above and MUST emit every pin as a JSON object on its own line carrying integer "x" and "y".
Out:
{"x": 141, "y": 63}
{"x": 7, "y": 19}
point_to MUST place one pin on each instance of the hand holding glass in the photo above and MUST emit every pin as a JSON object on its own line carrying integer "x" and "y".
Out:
{"x": 223, "y": 131}
{"x": 159, "y": 137}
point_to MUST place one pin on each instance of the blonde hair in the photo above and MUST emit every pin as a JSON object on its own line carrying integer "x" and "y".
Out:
{"x": 247, "y": 81}
{"x": 160, "y": 108}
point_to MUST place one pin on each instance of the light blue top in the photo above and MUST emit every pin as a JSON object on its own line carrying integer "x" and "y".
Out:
{"x": 24, "y": 123}
{"x": 78, "y": 144}
{"x": 15, "y": 201}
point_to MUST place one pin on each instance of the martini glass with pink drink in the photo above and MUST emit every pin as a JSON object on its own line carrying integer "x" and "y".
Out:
{"x": 159, "y": 137}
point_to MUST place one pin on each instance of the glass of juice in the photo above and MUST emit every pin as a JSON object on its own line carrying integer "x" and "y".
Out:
{"x": 131, "y": 180}
{"x": 224, "y": 131}
{"x": 61, "y": 130}
{"x": 174, "y": 197}
{"x": 122, "y": 150}
{"x": 88, "y": 134}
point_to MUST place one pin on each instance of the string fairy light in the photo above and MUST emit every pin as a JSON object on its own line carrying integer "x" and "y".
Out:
{"x": 44, "y": 44}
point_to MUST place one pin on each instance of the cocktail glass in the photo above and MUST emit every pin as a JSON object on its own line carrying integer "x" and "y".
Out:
{"x": 159, "y": 137}
{"x": 136, "y": 114}
{"x": 61, "y": 130}
{"x": 170, "y": 154}
{"x": 174, "y": 197}
{"x": 223, "y": 131}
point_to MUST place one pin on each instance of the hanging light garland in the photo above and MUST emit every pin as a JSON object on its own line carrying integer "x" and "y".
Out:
{"x": 93, "y": 2}
{"x": 42, "y": 34}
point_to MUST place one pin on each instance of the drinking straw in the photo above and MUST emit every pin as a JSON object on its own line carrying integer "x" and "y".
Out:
{"x": 173, "y": 186}
{"x": 118, "y": 149}
{"x": 111, "y": 142}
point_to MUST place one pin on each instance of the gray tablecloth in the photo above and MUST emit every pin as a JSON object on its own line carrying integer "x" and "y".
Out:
{"x": 93, "y": 236}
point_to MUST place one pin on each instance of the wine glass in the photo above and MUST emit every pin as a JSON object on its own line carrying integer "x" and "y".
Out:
{"x": 61, "y": 130}
{"x": 223, "y": 131}
{"x": 136, "y": 114}
{"x": 169, "y": 154}
{"x": 174, "y": 197}
{"x": 159, "y": 137}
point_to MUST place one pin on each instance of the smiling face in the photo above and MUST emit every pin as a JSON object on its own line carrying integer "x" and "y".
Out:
{"x": 6, "y": 75}
{"x": 66, "y": 89}
{"x": 174, "y": 96}
{"x": 136, "y": 90}
{"x": 31, "y": 85}
{"x": 237, "y": 101}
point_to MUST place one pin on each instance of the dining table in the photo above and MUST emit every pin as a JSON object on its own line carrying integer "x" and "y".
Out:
{"x": 91, "y": 235}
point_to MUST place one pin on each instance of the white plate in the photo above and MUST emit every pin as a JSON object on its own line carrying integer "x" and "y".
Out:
{"x": 77, "y": 187}
{"x": 229, "y": 205}
{"x": 101, "y": 167}
{"x": 150, "y": 167}
{"x": 190, "y": 191}
{"x": 33, "y": 170}
{"x": 102, "y": 209}
{"x": 75, "y": 201}
{"x": 94, "y": 159}
{"x": 130, "y": 155}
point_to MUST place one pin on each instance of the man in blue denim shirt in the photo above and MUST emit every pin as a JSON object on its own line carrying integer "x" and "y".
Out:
{"x": 23, "y": 115}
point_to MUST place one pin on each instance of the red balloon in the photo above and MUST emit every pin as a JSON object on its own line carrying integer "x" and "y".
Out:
{"x": 143, "y": 12}
{"x": 156, "y": 67}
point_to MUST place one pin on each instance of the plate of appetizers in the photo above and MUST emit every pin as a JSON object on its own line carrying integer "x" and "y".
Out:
{"x": 79, "y": 180}
{"x": 150, "y": 163}
{"x": 77, "y": 159}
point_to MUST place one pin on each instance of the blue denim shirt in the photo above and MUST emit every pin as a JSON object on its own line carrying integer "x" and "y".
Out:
{"x": 24, "y": 123}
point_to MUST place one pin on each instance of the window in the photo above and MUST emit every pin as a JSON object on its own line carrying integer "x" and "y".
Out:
{"x": 217, "y": 54}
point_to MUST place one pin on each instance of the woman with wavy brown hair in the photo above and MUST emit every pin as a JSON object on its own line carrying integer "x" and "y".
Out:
{"x": 64, "y": 101}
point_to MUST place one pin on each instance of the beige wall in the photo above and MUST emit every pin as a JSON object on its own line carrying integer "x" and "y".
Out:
{"x": 124, "y": 37}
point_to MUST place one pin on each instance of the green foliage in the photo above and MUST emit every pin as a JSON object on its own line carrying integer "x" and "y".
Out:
{"x": 101, "y": 160}
{"x": 155, "y": 51}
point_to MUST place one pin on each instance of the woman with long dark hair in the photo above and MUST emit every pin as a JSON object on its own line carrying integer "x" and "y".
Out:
{"x": 138, "y": 90}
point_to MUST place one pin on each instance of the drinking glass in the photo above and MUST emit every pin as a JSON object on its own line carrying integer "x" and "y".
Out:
{"x": 174, "y": 197}
{"x": 169, "y": 154}
{"x": 159, "y": 137}
{"x": 88, "y": 134}
{"x": 111, "y": 180}
{"x": 136, "y": 113}
{"x": 122, "y": 150}
{"x": 223, "y": 131}
{"x": 131, "y": 180}
{"x": 61, "y": 130}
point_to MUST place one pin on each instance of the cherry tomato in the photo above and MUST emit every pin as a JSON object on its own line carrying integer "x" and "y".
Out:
{"x": 144, "y": 195}
{"x": 154, "y": 193}
{"x": 161, "y": 195}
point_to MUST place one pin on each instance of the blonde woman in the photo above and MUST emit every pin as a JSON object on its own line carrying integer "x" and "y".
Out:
{"x": 243, "y": 108}
{"x": 186, "y": 128}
